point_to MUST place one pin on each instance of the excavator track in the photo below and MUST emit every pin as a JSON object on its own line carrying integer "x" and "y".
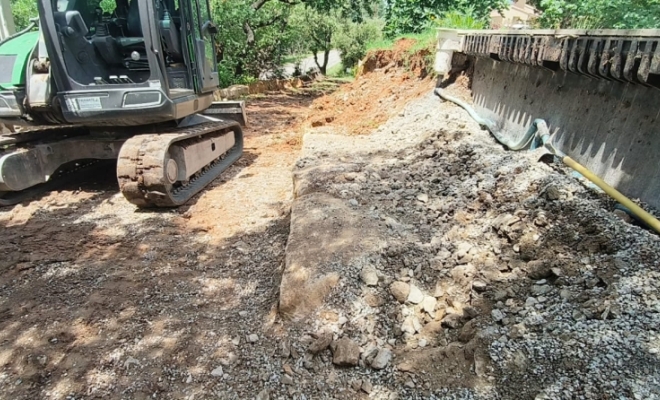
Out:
{"x": 144, "y": 168}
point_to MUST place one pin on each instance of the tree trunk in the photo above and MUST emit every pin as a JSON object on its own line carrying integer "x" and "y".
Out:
{"x": 325, "y": 61}
{"x": 322, "y": 67}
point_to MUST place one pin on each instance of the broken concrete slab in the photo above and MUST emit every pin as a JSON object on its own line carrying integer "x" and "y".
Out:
{"x": 321, "y": 249}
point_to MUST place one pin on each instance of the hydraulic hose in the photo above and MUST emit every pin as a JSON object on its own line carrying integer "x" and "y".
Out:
{"x": 539, "y": 130}
{"x": 31, "y": 25}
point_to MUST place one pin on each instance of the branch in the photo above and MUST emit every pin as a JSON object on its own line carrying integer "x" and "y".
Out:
{"x": 268, "y": 23}
{"x": 258, "y": 4}
{"x": 249, "y": 32}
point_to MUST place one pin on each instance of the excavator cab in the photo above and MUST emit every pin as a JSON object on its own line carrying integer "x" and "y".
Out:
{"x": 130, "y": 80}
{"x": 126, "y": 62}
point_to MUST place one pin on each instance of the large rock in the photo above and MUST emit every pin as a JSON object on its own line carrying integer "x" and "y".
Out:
{"x": 346, "y": 353}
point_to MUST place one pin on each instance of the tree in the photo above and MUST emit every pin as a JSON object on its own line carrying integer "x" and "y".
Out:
{"x": 594, "y": 14}
{"x": 352, "y": 40}
{"x": 22, "y": 11}
{"x": 413, "y": 16}
{"x": 316, "y": 31}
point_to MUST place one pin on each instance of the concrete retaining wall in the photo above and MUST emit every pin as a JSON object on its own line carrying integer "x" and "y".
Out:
{"x": 594, "y": 88}
{"x": 610, "y": 127}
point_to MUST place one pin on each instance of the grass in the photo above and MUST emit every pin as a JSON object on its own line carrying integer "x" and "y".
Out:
{"x": 339, "y": 73}
{"x": 423, "y": 40}
{"x": 293, "y": 58}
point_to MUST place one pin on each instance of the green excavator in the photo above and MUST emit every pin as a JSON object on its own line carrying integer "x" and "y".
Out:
{"x": 132, "y": 81}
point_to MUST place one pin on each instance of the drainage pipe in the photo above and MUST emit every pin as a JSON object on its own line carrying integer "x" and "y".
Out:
{"x": 539, "y": 130}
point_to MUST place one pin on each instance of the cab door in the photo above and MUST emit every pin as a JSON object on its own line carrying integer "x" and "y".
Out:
{"x": 200, "y": 41}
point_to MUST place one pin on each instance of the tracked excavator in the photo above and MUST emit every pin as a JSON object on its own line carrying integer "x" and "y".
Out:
{"x": 131, "y": 80}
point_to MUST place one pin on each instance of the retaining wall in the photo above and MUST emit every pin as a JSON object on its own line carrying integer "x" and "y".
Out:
{"x": 596, "y": 89}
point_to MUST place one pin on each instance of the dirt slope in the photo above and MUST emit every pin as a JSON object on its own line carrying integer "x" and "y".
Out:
{"x": 386, "y": 82}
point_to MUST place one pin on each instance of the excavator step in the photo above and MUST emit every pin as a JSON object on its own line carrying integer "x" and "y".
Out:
{"x": 231, "y": 110}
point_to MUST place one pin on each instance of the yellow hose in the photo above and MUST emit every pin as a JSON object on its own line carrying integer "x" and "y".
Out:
{"x": 649, "y": 219}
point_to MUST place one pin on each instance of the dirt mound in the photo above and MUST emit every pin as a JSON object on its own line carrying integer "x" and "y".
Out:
{"x": 387, "y": 80}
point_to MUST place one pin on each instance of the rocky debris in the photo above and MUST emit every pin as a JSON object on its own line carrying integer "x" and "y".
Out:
{"x": 452, "y": 321}
{"x": 415, "y": 296}
{"x": 217, "y": 371}
{"x": 490, "y": 257}
{"x": 131, "y": 361}
{"x": 382, "y": 359}
{"x": 428, "y": 305}
{"x": 345, "y": 353}
{"x": 369, "y": 276}
{"x": 367, "y": 387}
{"x": 400, "y": 291}
{"x": 287, "y": 380}
{"x": 253, "y": 338}
{"x": 497, "y": 315}
{"x": 322, "y": 342}
{"x": 263, "y": 395}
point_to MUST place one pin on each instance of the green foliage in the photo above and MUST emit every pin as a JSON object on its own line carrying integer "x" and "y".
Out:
{"x": 108, "y": 6}
{"x": 425, "y": 39}
{"x": 315, "y": 30}
{"x": 23, "y": 10}
{"x": 414, "y": 16}
{"x": 461, "y": 19}
{"x": 242, "y": 57}
{"x": 353, "y": 38}
{"x": 596, "y": 14}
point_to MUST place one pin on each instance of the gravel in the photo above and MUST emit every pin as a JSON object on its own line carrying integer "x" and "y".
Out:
{"x": 547, "y": 291}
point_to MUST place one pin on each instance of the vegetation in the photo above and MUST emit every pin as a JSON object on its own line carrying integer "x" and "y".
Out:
{"x": 595, "y": 14}
{"x": 352, "y": 40}
{"x": 257, "y": 37}
{"x": 414, "y": 16}
{"x": 23, "y": 10}
{"x": 461, "y": 19}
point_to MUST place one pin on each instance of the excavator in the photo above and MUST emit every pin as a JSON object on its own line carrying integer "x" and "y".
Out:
{"x": 131, "y": 80}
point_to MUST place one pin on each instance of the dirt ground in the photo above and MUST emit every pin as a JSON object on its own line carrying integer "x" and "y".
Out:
{"x": 100, "y": 299}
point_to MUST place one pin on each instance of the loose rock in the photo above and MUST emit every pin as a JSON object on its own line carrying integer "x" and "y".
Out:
{"x": 415, "y": 296}
{"x": 346, "y": 353}
{"x": 382, "y": 359}
{"x": 400, "y": 291}
{"x": 369, "y": 276}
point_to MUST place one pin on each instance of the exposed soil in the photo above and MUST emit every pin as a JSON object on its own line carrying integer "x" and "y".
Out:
{"x": 488, "y": 275}
{"x": 386, "y": 82}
